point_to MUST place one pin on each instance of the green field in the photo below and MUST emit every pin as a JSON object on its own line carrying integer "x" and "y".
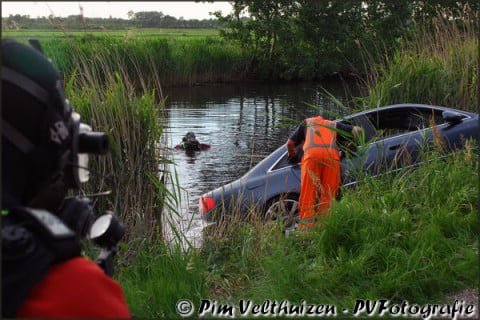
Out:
{"x": 141, "y": 33}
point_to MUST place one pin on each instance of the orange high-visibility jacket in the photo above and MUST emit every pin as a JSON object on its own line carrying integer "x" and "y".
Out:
{"x": 319, "y": 135}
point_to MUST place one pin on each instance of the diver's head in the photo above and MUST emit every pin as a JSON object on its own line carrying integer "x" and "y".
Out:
{"x": 190, "y": 136}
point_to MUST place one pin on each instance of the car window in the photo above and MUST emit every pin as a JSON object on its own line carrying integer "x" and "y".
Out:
{"x": 397, "y": 121}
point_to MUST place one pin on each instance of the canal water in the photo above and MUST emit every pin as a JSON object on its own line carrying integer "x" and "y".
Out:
{"x": 243, "y": 123}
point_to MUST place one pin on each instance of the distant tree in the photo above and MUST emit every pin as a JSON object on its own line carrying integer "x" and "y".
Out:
{"x": 168, "y": 22}
{"x": 139, "y": 19}
{"x": 148, "y": 18}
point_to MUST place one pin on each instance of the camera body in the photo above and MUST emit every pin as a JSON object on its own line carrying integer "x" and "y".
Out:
{"x": 106, "y": 231}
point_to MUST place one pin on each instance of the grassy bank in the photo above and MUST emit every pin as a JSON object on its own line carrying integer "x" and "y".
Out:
{"x": 409, "y": 236}
{"x": 174, "y": 61}
{"x": 159, "y": 278}
{"x": 174, "y": 58}
{"x": 437, "y": 65}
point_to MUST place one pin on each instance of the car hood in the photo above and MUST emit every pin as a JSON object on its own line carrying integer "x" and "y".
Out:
{"x": 239, "y": 184}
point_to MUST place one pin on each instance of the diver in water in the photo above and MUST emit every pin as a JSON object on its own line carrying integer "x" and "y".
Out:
{"x": 191, "y": 144}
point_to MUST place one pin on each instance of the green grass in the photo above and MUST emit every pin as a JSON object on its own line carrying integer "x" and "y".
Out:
{"x": 405, "y": 236}
{"x": 176, "y": 57}
{"x": 129, "y": 113}
{"x": 159, "y": 278}
{"x": 438, "y": 66}
{"x": 409, "y": 236}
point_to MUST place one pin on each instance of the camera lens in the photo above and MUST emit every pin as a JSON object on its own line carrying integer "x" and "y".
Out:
{"x": 93, "y": 142}
{"x": 107, "y": 230}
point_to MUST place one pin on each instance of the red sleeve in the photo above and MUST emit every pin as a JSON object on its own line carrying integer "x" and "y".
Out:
{"x": 77, "y": 288}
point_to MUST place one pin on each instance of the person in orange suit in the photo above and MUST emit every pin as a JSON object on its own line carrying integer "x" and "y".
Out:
{"x": 320, "y": 177}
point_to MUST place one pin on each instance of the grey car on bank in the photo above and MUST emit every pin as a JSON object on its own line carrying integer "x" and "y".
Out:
{"x": 394, "y": 137}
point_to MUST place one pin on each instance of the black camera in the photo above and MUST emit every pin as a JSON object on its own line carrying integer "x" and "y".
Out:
{"x": 105, "y": 231}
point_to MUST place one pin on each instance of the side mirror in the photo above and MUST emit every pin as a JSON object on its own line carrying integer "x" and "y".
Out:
{"x": 452, "y": 117}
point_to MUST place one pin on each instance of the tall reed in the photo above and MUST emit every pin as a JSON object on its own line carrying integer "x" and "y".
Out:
{"x": 437, "y": 64}
{"x": 101, "y": 90}
{"x": 175, "y": 61}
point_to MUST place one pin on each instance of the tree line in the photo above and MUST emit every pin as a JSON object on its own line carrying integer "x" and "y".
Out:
{"x": 308, "y": 39}
{"x": 142, "y": 19}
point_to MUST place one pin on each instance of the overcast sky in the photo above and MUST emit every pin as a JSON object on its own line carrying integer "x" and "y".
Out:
{"x": 186, "y": 9}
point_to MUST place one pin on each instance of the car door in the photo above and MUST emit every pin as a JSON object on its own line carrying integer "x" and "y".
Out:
{"x": 426, "y": 126}
{"x": 401, "y": 132}
{"x": 394, "y": 137}
{"x": 398, "y": 151}
{"x": 284, "y": 175}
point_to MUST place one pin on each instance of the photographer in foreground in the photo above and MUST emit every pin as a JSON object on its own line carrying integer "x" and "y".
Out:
{"x": 44, "y": 153}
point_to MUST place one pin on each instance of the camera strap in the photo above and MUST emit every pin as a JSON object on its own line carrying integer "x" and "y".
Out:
{"x": 16, "y": 138}
{"x": 26, "y": 84}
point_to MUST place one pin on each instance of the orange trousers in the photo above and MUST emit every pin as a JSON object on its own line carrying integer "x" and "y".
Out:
{"x": 320, "y": 180}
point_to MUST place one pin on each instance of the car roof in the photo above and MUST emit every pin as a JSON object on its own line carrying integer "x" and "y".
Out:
{"x": 406, "y": 105}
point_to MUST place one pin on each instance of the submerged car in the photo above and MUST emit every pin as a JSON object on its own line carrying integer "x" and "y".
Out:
{"x": 394, "y": 138}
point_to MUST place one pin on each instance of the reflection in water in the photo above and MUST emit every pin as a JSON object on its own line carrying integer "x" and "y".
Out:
{"x": 243, "y": 123}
